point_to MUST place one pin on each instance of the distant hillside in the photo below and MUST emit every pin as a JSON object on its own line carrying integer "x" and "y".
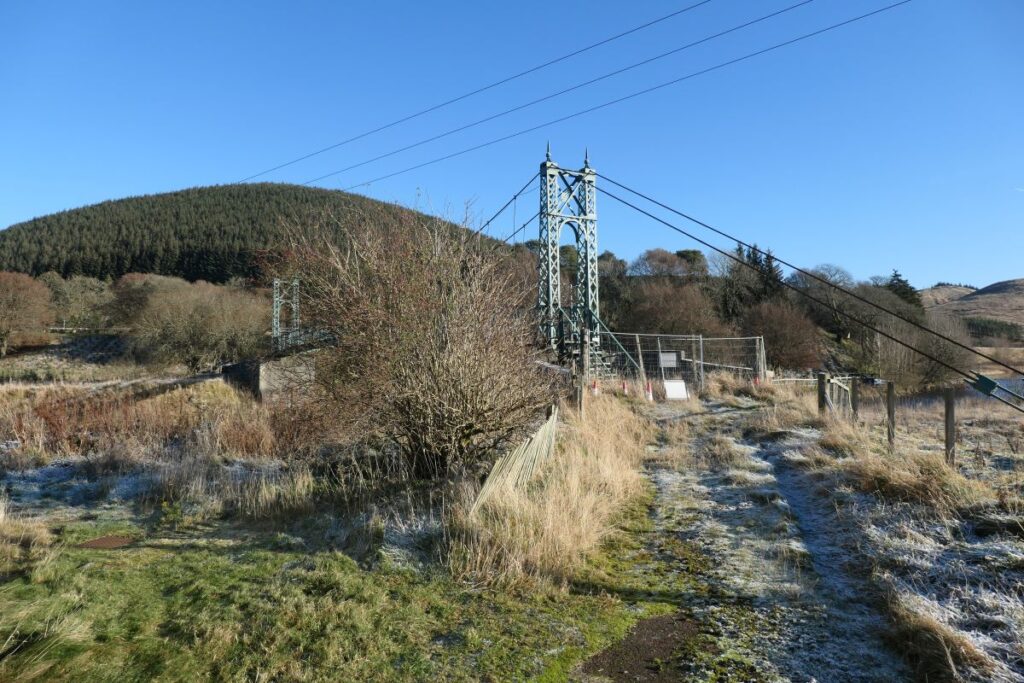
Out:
{"x": 1000, "y": 301}
{"x": 208, "y": 233}
{"x": 940, "y": 294}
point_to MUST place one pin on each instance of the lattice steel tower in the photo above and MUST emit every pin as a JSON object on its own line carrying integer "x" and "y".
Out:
{"x": 568, "y": 198}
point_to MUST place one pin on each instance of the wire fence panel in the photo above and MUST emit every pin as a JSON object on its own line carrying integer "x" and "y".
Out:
{"x": 690, "y": 358}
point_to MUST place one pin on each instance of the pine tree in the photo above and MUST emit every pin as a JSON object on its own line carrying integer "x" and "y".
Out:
{"x": 771, "y": 277}
{"x": 901, "y": 287}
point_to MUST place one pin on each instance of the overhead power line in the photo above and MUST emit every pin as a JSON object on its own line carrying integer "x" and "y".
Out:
{"x": 559, "y": 93}
{"x": 818, "y": 278}
{"x": 479, "y": 90}
{"x": 805, "y": 294}
{"x": 631, "y": 96}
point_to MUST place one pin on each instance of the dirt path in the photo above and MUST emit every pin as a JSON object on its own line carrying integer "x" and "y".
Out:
{"x": 781, "y": 600}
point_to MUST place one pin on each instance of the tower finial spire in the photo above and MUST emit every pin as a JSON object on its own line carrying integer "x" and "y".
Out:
{"x": 586, "y": 157}
{"x": 549, "y": 150}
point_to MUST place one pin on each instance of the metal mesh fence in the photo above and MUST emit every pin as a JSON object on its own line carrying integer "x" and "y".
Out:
{"x": 686, "y": 357}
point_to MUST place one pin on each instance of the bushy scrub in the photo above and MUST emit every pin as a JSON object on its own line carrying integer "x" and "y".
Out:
{"x": 430, "y": 341}
{"x": 200, "y": 325}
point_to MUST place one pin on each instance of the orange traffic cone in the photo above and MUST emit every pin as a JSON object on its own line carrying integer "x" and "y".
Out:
{"x": 649, "y": 391}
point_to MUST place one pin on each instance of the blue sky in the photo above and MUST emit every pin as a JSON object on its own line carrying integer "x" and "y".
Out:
{"x": 897, "y": 142}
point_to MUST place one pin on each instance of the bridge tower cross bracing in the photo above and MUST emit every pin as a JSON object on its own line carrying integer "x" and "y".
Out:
{"x": 275, "y": 318}
{"x": 568, "y": 198}
{"x": 285, "y": 335}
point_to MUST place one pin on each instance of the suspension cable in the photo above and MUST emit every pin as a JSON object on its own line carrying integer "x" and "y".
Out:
{"x": 507, "y": 204}
{"x": 820, "y": 279}
{"x": 801, "y": 292}
{"x": 521, "y": 227}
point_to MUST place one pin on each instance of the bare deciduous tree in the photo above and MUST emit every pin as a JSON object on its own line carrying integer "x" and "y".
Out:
{"x": 670, "y": 308}
{"x": 24, "y": 307}
{"x": 791, "y": 339}
{"x": 200, "y": 325}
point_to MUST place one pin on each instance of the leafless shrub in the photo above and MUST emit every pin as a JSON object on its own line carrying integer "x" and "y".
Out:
{"x": 670, "y": 307}
{"x": 791, "y": 339}
{"x": 24, "y": 307}
{"x": 200, "y": 325}
{"x": 432, "y": 340}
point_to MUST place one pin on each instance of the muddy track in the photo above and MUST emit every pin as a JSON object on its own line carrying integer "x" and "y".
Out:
{"x": 781, "y": 600}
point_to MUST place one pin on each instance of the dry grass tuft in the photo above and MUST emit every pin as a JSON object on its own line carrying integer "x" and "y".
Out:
{"x": 22, "y": 540}
{"x": 719, "y": 451}
{"x": 939, "y": 652}
{"x": 916, "y": 477}
{"x": 545, "y": 531}
{"x": 253, "y": 491}
{"x": 842, "y": 437}
{"x": 118, "y": 430}
{"x": 676, "y": 432}
{"x": 721, "y": 384}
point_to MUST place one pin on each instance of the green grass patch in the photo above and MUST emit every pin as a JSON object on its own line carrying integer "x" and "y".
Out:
{"x": 238, "y": 602}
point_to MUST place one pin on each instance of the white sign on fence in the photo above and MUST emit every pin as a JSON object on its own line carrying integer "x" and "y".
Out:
{"x": 675, "y": 390}
{"x": 669, "y": 360}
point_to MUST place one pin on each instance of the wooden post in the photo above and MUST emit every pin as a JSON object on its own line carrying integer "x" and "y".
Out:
{"x": 855, "y": 397}
{"x": 693, "y": 359}
{"x": 660, "y": 366}
{"x": 822, "y": 395}
{"x": 950, "y": 397}
{"x": 701, "y": 342}
{"x": 890, "y": 411}
{"x": 640, "y": 362}
{"x": 762, "y": 361}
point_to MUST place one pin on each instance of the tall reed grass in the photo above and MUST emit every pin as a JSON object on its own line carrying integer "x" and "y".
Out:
{"x": 545, "y": 530}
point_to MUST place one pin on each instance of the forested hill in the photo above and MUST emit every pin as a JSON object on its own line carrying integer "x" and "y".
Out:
{"x": 206, "y": 233}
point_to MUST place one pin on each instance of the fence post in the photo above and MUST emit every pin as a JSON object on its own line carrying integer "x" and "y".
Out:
{"x": 762, "y": 361}
{"x": 693, "y": 359}
{"x": 855, "y": 397}
{"x": 701, "y": 341}
{"x": 890, "y": 412}
{"x": 822, "y": 395}
{"x": 661, "y": 367}
{"x": 640, "y": 360}
{"x": 950, "y": 397}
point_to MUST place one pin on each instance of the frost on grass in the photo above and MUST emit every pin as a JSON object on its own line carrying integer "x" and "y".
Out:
{"x": 781, "y": 604}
